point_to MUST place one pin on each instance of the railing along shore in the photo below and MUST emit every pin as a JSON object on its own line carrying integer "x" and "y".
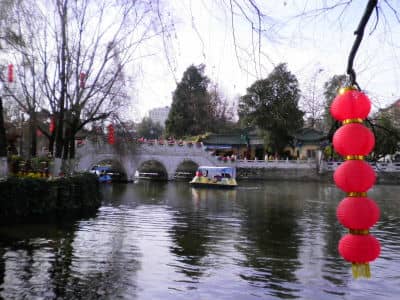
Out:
{"x": 377, "y": 166}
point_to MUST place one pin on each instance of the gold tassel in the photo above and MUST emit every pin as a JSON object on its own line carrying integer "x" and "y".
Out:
{"x": 360, "y": 270}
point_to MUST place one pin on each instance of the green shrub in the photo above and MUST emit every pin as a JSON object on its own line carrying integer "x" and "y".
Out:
{"x": 28, "y": 196}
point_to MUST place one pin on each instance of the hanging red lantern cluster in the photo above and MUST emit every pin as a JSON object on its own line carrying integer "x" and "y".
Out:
{"x": 10, "y": 73}
{"x": 82, "y": 80}
{"x": 111, "y": 137}
{"x": 355, "y": 177}
{"x": 52, "y": 125}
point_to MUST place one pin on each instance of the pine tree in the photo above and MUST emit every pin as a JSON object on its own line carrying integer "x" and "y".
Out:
{"x": 190, "y": 112}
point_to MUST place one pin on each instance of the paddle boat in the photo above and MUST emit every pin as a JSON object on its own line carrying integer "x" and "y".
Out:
{"x": 215, "y": 177}
{"x": 104, "y": 173}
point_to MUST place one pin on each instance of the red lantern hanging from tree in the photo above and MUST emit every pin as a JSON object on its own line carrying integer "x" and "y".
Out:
{"x": 111, "y": 138}
{"x": 52, "y": 125}
{"x": 82, "y": 80}
{"x": 10, "y": 73}
{"x": 345, "y": 142}
{"x": 355, "y": 177}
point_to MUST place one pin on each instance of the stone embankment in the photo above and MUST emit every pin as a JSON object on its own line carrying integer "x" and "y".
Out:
{"x": 387, "y": 173}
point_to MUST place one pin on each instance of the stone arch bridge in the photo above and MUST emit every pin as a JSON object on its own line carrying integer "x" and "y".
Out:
{"x": 169, "y": 156}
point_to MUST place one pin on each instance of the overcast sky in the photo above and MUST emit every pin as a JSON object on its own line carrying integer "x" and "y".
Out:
{"x": 313, "y": 47}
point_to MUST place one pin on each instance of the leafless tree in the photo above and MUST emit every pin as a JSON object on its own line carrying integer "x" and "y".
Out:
{"x": 7, "y": 37}
{"x": 75, "y": 57}
{"x": 312, "y": 101}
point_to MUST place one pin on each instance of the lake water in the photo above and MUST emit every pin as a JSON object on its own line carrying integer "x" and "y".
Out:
{"x": 154, "y": 240}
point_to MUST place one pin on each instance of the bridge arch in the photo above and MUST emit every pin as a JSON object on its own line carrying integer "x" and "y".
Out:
{"x": 115, "y": 165}
{"x": 151, "y": 166}
{"x": 186, "y": 169}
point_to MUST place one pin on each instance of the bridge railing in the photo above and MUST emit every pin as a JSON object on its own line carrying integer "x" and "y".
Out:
{"x": 280, "y": 164}
{"x": 148, "y": 148}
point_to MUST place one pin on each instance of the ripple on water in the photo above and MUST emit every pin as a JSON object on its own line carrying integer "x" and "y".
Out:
{"x": 269, "y": 241}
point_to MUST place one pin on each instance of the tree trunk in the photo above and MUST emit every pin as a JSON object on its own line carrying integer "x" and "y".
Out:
{"x": 63, "y": 61}
{"x": 3, "y": 139}
{"x": 51, "y": 144}
{"x": 3, "y": 144}
{"x": 33, "y": 137}
{"x": 72, "y": 147}
{"x": 67, "y": 138}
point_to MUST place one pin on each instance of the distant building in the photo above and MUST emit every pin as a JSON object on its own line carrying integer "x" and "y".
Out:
{"x": 306, "y": 143}
{"x": 159, "y": 115}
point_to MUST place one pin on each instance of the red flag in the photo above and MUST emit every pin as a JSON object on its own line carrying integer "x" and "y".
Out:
{"x": 52, "y": 125}
{"x": 82, "y": 79}
{"x": 10, "y": 73}
{"x": 111, "y": 138}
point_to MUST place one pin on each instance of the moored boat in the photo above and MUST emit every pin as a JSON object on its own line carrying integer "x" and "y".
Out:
{"x": 105, "y": 173}
{"x": 215, "y": 177}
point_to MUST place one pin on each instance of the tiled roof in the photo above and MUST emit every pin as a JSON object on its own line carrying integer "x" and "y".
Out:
{"x": 224, "y": 139}
{"x": 309, "y": 135}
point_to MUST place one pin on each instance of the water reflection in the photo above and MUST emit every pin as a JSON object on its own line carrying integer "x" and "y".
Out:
{"x": 272, "y": 239}
{"x": 263, "y": 240}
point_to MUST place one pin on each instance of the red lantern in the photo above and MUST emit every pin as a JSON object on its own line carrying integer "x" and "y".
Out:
{"x": 10, "y": 73}
{"x": 351, "y": 104}
{"x": 354, "y": 176}
{"x": 82, "y": 79}
{"x": 360, "y": 249}
{"x": 353, "y": 139}
{"x": 357, "y": 213}
{"x": 52, "y": 125}
{"x": 111, "y": 138}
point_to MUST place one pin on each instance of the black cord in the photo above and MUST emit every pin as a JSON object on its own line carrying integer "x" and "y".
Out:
{"x": 371, "y": 5}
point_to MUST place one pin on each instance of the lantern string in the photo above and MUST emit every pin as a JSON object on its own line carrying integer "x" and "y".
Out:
{"x": 371, "y": 5}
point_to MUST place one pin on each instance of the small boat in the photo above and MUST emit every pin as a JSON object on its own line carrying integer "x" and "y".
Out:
{"x": 105, "y": 178}
{"x": 104, "y": 173}
{"x": 215, "y": 177}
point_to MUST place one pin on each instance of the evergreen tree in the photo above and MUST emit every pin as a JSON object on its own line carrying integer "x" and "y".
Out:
{"x": 387, "y": 136}
{"x": 271, "y": 104}
{"x": 191, "y": 112}
{"x": 149, "y": 129}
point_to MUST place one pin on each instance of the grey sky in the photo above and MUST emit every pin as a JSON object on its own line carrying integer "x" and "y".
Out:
{"x": 203, "y": 34}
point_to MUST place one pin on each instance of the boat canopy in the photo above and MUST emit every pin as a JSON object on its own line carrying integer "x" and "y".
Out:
{"x": 217, "y": 171}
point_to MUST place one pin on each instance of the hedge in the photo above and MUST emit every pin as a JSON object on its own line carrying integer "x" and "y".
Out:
{"x": 27, "y": 197}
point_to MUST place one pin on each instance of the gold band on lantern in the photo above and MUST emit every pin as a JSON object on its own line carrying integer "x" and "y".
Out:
{"x": 354, "y": 157}
{"x": 349, "y": 121}
{"x": 357, "y": 194}
{"x": 359, "y": 231}
{"x": 347, "y": 88}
